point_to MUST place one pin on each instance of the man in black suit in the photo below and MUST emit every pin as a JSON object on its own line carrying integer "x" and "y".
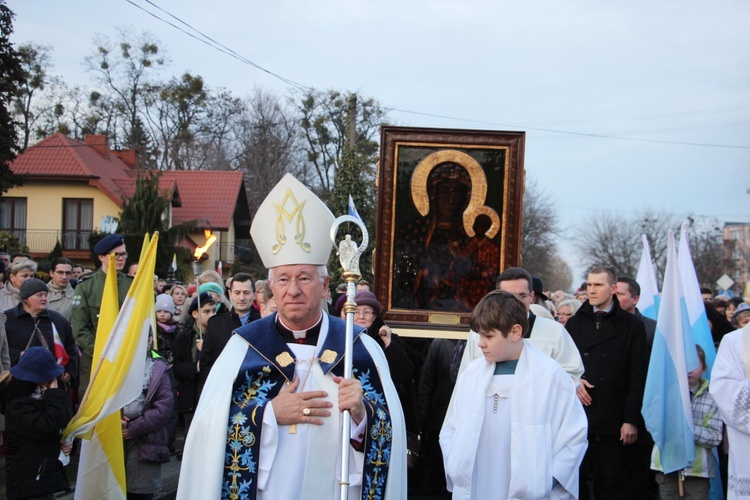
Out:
{"x": 612, "y": 344}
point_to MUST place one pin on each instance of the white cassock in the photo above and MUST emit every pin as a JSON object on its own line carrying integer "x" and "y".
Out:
{"x": 301, "y": 465}
{"x": 546, "y": 431}
{"x": 730, "y": 388}
{"x": 548, "y": 336}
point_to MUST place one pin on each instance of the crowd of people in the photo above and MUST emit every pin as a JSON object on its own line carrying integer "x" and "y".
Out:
{"x": 542, "y": 400}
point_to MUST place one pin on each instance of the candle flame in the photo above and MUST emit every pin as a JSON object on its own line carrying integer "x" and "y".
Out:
{"x": 210, "y": 238}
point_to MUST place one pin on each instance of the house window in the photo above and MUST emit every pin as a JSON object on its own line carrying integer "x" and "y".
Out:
{"x": 736, "y": 254}
{"x": 78, "y": 221}
{"x": 737, "y": 274}
{"x": 13, "y": 217}
{"x": 735, "y": 234}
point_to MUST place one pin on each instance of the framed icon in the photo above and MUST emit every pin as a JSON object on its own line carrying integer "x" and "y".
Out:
{"x": 449, "y": 221}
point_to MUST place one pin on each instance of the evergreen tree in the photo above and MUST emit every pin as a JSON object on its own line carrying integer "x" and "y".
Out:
{"x": 11, "y": 77}
{"x": 146, "y": 212}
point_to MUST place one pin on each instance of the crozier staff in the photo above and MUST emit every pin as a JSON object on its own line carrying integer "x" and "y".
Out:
{"x": 277, "y": 386}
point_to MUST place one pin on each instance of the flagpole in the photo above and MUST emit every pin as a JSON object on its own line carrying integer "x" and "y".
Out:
{"x": 349, "y": 255}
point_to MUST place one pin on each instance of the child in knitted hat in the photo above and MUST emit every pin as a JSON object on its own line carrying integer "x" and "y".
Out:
{"x": 36, "y": 412}
{"x": 165, "y": 329}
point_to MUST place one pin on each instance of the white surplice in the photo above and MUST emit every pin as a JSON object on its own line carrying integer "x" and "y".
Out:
{"x": 730, "y": 388}
{"x": 547, "y": 426}
{"x": 548, "y": 336}
{"x": 287, "y": 464}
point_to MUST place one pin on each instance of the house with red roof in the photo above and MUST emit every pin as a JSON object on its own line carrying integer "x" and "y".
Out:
{"x": 73, "y": 188}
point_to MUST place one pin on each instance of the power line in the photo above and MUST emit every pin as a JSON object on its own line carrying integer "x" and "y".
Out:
{"x": 580, "y": 134}
{"x": 215, "y": 45}
{"x": 207, "y": 40}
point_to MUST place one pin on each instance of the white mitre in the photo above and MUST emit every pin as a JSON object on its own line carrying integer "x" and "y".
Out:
{"x": 292, "y": 226}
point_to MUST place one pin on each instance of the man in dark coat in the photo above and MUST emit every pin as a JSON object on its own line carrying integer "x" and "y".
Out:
{"x": 638, "y": 456}
{"x": 221, "y": 326}
{"x": 612, "y": 344}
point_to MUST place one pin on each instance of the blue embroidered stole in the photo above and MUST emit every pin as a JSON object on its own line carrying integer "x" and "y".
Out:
{"x": 268, "y": 364}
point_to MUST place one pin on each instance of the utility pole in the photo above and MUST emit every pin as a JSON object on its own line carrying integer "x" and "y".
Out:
{"x": 352, "y": 122}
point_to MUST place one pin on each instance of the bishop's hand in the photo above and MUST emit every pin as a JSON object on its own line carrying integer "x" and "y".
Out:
{"x": 350, "y": 397}
{"x": 300, "y": 407}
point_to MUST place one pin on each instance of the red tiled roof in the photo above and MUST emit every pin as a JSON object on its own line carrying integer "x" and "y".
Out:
{"x": 59, "y": 156}
{"x": 208, "y": 196}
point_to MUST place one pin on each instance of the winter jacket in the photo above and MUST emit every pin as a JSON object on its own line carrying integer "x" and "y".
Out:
{"x": 9, "y": 297}
{"x": 401, "y": 365}
{"x": 219, "y": 331}
{"x": 151, "y": 427}
{"x": 185, "y": 364}
{"x": 20, "y": 326}
{"x": 60, "y": 299}
{"x": 615, "y": 360}
{"x": 33, "y": 431}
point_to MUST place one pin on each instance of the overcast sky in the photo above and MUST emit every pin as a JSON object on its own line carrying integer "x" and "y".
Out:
{"x": 666, "y": 83}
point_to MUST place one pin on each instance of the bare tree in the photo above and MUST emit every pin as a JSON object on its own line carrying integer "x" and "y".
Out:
{"x": 269, "y": 142}
{"x": 539, "y": 231}
{"x": 606, "y": 239}
{"x": 36, "y": 100}
{"x": 325, "y": 130}
{"x": 706, "y": 249}
{"x": 124, "y": 68}
{"x": 174, "y": 111}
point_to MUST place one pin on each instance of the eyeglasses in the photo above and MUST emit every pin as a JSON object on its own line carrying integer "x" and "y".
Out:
{"x": 120, "y": 255}
{"x": 302, "y": 281}
{"x": 365, "y": 314}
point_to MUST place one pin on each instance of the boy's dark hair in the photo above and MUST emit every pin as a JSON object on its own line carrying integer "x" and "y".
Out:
{"x": 205, "y": 298}
{"x": 515, "y": 273}
{"x": 701, "y": 356}
{"x": 499, "y": 310}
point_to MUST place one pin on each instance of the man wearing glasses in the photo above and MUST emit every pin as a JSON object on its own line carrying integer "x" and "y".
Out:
{"x": 60, "y": 297}
{"x": 88, "y": 299}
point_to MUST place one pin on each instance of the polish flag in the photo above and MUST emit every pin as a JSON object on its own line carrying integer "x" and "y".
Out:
{"x": 60, "y": 353}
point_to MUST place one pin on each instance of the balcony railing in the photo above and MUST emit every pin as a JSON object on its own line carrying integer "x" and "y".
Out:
{"x": 43, "y": 241}
{"x": 40, "y": 240}
{"x": 223, "y": 251}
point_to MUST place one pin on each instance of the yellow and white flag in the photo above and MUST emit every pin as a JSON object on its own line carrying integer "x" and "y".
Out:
{"x": 116, "y": 380}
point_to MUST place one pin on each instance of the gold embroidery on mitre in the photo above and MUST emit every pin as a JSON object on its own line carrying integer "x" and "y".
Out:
{"x": 284, "y": 359}
{"x": 328, "y": 356}
{"x": 281, "y": 214}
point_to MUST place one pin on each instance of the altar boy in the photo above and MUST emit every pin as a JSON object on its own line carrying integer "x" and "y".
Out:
{"x": 517, "y": 429}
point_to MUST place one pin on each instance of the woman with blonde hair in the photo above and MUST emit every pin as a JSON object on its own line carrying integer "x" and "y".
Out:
{"x": 18, "y": 272}
{"x": 566, "y": 309}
